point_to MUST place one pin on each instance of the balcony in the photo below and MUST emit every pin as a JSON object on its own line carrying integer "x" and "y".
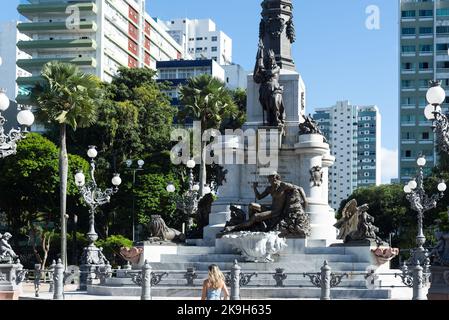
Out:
{"x": 39, "y": 9}
{"x": 28, "y": 64}
{"x": 29, "y": 81}
{"x": 55, "y": 27}
{"x": 408, "y": 71}
{"x": 68, "y": 44}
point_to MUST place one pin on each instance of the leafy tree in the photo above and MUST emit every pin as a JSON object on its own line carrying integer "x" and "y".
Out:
{"x": 391, "y": 211}
{"x": 67, "y": 97}
{"x": 152, "y": 198}
{"x": 111, "y": 247}
{"x": 206, "y": 99}
{"x": 29, "y": 184}
{"x": 134, "y": 122}
{"x": 235, "y": 122}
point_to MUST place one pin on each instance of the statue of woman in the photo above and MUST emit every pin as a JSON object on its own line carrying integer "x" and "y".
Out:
{"x": 267, "y": 73}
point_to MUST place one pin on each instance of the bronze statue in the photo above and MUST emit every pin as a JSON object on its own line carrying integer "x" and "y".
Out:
{"x": 160, "y": 232}
{"x": 309, "y": 126}
{"x": 357, "y": 224}
{"x": 286, "y": 213}
{"x": 266, "y": 73}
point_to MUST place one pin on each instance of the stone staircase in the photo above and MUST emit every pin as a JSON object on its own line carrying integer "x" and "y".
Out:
{"x": 262, "y": 286}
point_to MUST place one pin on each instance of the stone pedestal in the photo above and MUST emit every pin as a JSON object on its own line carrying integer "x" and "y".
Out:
{"x": 295, "y": 156}
{"x": 294, "y": 102}
{"x": 10, "y": 285}
{"x": 314, "y": 152}
{"x": 439, "y": 289}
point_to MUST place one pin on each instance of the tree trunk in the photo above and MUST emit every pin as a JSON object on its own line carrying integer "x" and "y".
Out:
{"x": 33, "y": 245}
{"x": 46, "y": 248}
{"x": 63, "y": 174}
{"x": 203, "y": 172}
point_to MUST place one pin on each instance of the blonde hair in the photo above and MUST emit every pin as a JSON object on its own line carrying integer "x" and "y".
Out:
{"x": 216, "y": 277}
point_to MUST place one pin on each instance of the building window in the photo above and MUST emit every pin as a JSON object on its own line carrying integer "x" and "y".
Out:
{"x": 443, "y": 12}
{"x": 408, "y": 153}
{"x": 424, "y": 66}
{"x": 425, "y": 136}
{"x": 408, "y": 49}
{"x": 214, "y": 38}
{"x": 426, "y": 48}
{"x": 426, "y": 13}
{"x": 443, "y": 30}
{"x": 214, "y": 49}
{"x": 426, "y": 30}
{"x": 408, "y": 13}
{"x": 408, "y": 31}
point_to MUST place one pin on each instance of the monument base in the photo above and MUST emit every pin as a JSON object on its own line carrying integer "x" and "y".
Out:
{"x": 11, "y": 278}
{"x": 439, "y": 289}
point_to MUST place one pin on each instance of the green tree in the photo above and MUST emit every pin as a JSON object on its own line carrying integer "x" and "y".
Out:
{"x": 153, "y": 199}
{"x": 391, "y": 211}
{"x": 134, "y": 122}
{"x": 29, "y": 184}
{"x": 240, "y": 99}
{"x": 111, "y": 247}
{"x": 206, "y": 99}
{"x": 66, "y": 97}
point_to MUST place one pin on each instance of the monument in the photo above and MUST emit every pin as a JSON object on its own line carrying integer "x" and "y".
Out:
{"x": 289, "y": 226}
{"x": 275, "y": 112}
{"x": 11, "y": 271}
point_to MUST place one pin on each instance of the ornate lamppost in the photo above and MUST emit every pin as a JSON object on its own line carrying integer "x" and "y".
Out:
{"x": 94, "y": 198}
{"x": 129, "y": 164}
{"x": 433, "y": 112}
{"x": 421, "y": 203}
{"x": 8, "y": 141}
{"x": 188, "y": 202}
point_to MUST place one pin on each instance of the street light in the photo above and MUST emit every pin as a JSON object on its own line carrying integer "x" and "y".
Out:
{"x": 421, "y": 203}
{"x": 140, "y": 164}
{"x": 436, "y": 96}
{"x": 94, "y": 198}
{"x": 25, "y": 118}
{"x": 188, "y": 202}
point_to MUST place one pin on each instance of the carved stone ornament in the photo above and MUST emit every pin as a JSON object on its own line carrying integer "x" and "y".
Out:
{"x": 384, "y": 255}
{"x": 7, "y": 254}
{"x": 275, "y": 26}
{"x": 316, "y": 176}
{"x": 257, "y": 246}
{"x": 131, "y": 254}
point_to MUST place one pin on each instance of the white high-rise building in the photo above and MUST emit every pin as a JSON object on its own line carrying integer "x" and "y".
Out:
{"x": 108, "y": 34}
{"x": 354, "y": 135}
{"x": 201, "y": 39}
{"x": 9, "y": 54}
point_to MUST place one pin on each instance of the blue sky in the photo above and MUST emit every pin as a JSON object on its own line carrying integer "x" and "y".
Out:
{"x": 337, "y": 56}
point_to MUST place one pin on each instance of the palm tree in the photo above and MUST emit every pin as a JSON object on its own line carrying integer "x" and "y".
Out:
{"x": 66, "y": 97}
{"x": 206, "y": 99}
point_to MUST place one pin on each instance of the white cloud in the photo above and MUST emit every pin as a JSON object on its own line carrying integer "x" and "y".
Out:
{"x": 389, "y": 165}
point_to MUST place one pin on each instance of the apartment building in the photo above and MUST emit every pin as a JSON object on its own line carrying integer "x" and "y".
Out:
{"x": 354, "y": 135}
{"x": 201, "y": 39}
{"x": 424, "y": 44}
{"x": 97, "y": 35}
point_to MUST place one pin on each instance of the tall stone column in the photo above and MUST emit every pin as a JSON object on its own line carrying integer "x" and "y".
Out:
{"x": 314, "y": 152}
